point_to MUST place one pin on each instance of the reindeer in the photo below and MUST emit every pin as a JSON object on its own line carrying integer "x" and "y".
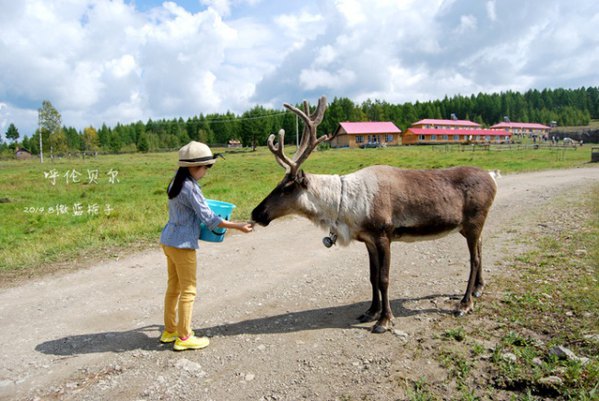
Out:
{"x": 380, "y": 204}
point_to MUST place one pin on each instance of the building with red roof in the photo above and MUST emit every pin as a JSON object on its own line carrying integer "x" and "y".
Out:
{"x": 360, "y": 134}
{"x": 517, "y": 128}
{"x": 449, "y": 124}
{"x": 434, "y": 131}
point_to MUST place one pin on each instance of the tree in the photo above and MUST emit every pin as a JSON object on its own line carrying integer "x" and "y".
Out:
{"x": 12, "y": 133}
{"x": 116, "y": 143}
{"x": 143, "y": 142}
{"x": 256, "y": 126}
{"x": 50, "y": 122}
{"x": 27, "y": 143}
{"x": 91, "y": 141}
{"x": 58, "y": 142}
{"x": 104, "y": 136}
{"x": 73, "y": 138}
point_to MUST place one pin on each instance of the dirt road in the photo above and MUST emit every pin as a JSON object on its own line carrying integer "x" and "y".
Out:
{"x": 279, "y": 307}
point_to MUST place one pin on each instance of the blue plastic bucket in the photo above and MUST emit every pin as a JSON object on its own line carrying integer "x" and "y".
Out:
{"x": 222, "y": 210}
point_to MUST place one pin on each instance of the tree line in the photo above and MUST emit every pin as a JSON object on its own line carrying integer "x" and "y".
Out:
{"x": 564, "y": 107}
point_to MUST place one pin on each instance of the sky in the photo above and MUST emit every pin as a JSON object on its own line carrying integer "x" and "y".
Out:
{"x": 103, "y": 62}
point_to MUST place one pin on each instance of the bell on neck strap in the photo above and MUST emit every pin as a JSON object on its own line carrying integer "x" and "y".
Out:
{"x": 330, "y": 240}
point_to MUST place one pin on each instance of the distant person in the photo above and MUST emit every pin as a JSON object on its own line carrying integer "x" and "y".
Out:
{"x": 187, "y": 208}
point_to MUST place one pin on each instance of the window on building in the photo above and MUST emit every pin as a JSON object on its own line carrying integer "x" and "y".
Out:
{"x": 421, "y": 137}
{"x": 456, "y": 137}
{"x": 359, "y": 139}
{"x": 389, "y": 138}
{"x": 433, "y": 137}
{"x": 373, "y": 139}
{"x": 444, "y": 137}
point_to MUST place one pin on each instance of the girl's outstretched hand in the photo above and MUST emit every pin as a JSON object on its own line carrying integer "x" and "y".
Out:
{"x": 241, "y": 226}
{"x": 245, "y": 227}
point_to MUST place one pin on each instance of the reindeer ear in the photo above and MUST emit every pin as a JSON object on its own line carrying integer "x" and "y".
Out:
{"x": 301, "y": 179}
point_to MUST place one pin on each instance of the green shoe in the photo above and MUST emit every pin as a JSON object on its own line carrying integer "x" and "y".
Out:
{"x": 192, "y": 342}
{"x": 168, "y": 337}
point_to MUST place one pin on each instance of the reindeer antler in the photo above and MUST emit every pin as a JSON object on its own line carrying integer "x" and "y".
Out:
{"x": 309, "y": 140}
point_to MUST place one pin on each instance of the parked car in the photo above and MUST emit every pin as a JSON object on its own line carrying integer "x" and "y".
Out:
{"x": 371, "y": 145}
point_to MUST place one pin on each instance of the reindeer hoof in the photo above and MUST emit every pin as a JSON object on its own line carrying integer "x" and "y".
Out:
{"x": 378, "y": 329}
{"x": 459, "y": 313}
{"x": 478, "y": 291}
{"x": 463, "y": 310}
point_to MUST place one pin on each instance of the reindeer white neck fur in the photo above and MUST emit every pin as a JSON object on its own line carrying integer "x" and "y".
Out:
{"x": 338, "y": 203}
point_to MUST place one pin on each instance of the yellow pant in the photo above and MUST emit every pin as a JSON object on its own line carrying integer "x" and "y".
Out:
{"x": 181, "y": 289}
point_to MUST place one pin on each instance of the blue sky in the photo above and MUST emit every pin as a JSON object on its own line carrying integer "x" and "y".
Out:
{"x": 101, "y": 61}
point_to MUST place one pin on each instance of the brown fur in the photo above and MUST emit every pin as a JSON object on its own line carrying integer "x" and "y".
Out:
{"x": 409, "y": 205}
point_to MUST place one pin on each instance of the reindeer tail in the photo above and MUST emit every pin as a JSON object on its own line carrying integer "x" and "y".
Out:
{"x": 495, "y": 174}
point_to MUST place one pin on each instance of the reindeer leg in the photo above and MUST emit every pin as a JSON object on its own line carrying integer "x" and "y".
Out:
{"x": 383, "y": 246}
{"x": 479, "y": 284}
{"x": 473, "y": 246}
{"x": 375, "y": 307}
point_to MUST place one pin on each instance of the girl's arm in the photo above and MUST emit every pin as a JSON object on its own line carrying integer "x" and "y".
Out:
{"x": 241, "y": 226}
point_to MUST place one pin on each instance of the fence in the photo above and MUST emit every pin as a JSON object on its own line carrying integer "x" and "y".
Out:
{"x": 500, "y": 147}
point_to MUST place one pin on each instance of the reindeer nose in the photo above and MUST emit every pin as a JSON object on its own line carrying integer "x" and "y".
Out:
{"x": 260, "y": 217}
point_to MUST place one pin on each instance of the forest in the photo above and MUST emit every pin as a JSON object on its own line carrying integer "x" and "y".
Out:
{"x": 563, "y": 107}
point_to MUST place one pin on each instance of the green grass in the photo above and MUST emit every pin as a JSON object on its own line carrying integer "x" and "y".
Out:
{"x": 547, "y": 297}
{"x": 30, "y": 238}
{"x": 553, "y": 291}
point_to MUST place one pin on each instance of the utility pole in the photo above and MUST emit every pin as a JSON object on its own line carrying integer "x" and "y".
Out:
{"x": 39, "y": 125}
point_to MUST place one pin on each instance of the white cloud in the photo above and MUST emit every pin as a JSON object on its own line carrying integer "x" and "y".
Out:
{"x": 491, "y": 13}
{"x": 352, "y": 11}
{"x": 467, "y": 24}
{"x": 106, "y": 61}
{"x": 122, "y": 66}
{"x": 314, "y": 79}
{"x": 3, "y": 117}
{"x": 300, "y": 27}
{"x": 222, "y": 7}
{"x": 326, "y": 55}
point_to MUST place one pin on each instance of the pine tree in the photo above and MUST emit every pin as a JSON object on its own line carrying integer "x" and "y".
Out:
{"x": 12, "y": 133}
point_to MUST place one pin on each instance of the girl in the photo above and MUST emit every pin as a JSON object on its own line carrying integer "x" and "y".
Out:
{"x": 179, "y": 240}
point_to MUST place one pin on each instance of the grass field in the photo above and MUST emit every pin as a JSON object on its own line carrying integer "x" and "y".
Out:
{"x": 63, "y": 209}
{"x": 547, "y": 297}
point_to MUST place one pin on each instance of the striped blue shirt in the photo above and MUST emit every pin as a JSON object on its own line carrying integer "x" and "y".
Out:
{"x": 185, "y": 213}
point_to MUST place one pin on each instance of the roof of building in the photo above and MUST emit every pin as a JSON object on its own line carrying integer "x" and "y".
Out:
{"x": 447, "y": 131}
{"x": 370, "y": 127}
{"x": 503, "y": 125}
{"x": 458, "y": 123}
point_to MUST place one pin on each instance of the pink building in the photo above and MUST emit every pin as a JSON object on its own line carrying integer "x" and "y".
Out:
{"x": 359, "y": 134}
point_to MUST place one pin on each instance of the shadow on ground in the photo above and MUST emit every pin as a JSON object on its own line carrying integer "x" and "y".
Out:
{"x": 111, "y": 341}
{"x": 140, "y": 339}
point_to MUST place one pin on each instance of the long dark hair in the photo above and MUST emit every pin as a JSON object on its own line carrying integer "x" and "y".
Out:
{"x": 174, "y": 188}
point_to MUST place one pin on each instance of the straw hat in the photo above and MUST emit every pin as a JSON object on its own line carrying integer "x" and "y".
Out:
{"x": 196, "y": 154}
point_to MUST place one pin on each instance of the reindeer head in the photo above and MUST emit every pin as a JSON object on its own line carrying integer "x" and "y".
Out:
{"x": 283, "y": 199}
